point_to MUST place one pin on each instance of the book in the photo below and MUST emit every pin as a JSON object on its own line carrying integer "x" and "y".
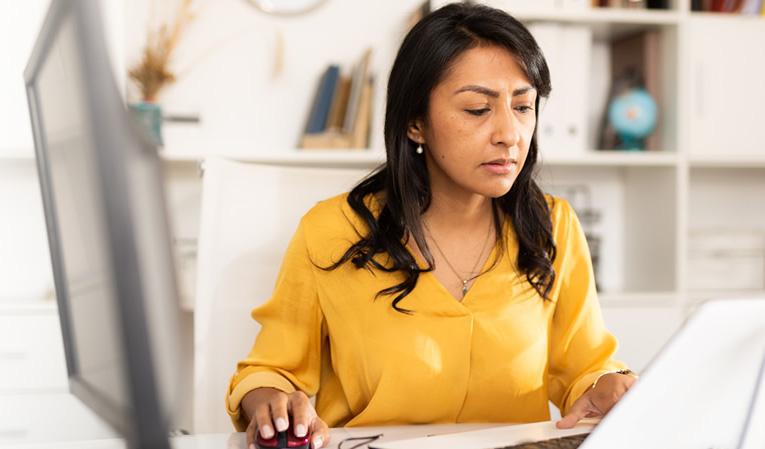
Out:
{"x": 317, "y": 120}
{"x": 358, "y": 82}
{"x": 657, "y": 4}
{"x": 551, "y": 110}
{"x": 337, "y": 138}
{"x": 751, "y": 7}
{"x": 339, "y": 105}
{"x": 345, "y": 108}
{"x": 574, "y": 87}
{"x": 360, "y": 136}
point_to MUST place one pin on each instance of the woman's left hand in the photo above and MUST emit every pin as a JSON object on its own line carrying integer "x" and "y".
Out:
{"x": 596, "y": 402}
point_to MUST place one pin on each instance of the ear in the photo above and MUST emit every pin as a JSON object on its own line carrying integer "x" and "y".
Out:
{"x": 416, "y": 131}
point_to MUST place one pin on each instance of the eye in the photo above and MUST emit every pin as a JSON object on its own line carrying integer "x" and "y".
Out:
{"x": 477, "y": 111}
{"x": 524, "y": 109}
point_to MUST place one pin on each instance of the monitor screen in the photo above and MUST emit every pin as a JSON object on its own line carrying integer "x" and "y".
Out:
{"x": 82, "y": 240}
{"x": 108, "y": 234}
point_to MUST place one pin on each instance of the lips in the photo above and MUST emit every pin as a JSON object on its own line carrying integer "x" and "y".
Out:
{"x": 500, "y": 166}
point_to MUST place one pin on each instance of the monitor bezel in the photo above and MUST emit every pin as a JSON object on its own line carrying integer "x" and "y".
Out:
{"x": 142, "y": 422}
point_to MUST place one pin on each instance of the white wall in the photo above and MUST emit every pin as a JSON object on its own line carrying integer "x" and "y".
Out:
{"x": 25, "y": 272}
{"x": 24, "y": 262}
{"x": 227, "y": 66}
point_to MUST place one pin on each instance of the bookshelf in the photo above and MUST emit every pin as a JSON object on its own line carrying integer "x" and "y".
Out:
{"x": 651, "y": 201}
{"x": 650, "y": 196}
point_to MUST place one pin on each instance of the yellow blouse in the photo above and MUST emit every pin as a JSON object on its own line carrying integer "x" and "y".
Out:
{"x": 496, "y": 356}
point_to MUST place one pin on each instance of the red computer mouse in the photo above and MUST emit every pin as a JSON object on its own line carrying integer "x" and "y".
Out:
{"x": 284, "y": 440}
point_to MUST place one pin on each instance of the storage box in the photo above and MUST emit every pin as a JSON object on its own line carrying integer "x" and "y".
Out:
{"x": 722, "y": 259}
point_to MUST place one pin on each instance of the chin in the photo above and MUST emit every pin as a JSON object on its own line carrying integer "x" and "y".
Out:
{"x": 497, "y": 188}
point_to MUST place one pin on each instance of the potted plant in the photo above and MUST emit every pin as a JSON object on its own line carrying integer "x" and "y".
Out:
{"x": 152, "y": 72}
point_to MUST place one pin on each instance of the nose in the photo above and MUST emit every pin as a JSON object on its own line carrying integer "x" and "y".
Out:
{"x": 506, "y": 129}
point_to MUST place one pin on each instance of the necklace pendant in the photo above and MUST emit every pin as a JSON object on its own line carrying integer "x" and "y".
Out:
{"x": 464, "y": 288}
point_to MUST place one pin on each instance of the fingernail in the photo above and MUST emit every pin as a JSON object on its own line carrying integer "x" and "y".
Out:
{"x": 252, "y": 446}
{"x": 267, "y": 432}
{"x": 300, "y": 430}
{"x": 281, "y": 424}
{"x": 317, "y": 442}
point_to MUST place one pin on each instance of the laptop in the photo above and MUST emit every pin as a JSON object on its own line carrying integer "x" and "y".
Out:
{"x": 703, "y": 390}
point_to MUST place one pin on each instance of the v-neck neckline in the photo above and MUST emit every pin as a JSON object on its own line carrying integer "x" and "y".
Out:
{"x": 439, "y": 285}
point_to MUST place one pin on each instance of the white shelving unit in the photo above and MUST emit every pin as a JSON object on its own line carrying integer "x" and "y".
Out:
{"x": 711, "y": 167}
{"x": 650, "y": 200}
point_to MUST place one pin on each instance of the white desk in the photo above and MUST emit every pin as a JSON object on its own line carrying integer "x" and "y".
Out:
{"x": 61, "y": 421}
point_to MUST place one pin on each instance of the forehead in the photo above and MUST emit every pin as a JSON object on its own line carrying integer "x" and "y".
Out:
{"x": 492, "y": 66}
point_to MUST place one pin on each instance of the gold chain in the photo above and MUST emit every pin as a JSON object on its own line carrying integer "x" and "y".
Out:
{"x": 477, "y": 262}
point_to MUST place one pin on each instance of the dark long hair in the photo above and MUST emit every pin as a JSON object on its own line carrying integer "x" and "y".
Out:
{"x": 402, "y": 183}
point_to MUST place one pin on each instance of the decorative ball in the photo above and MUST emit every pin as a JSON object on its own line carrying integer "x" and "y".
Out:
{"x": 633, "y": 116}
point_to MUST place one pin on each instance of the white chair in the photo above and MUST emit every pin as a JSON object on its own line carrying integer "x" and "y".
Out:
{"x": 249, "y": 213}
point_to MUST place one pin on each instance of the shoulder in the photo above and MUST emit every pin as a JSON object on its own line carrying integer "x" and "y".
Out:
{"x": 560, "y": 209}
{"x": 332, "y": 224}
{"x": 569, "y": 237}
{"x": 562, "y": 215}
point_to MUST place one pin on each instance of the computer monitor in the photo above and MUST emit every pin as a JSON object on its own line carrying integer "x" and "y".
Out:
{"x": 103, "y": 197}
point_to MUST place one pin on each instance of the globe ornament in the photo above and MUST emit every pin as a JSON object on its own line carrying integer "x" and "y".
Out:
{"x": 633, "y": 115}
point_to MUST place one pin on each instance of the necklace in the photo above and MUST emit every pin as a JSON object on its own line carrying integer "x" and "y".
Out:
{"x": 480, "y": 256}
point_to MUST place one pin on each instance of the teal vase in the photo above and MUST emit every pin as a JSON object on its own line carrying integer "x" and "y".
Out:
{"x": 149, "y": 117}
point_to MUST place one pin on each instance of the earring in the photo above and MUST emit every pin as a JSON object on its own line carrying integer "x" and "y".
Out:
{"x": 419, "y": 149}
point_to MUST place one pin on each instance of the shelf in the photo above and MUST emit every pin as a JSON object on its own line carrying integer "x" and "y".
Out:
{"x": 602, "y": 15}
{"x": 606, "y": 23}
{"x": 614, "y": 159}
{"x": 638, "y": 299}
{"x": 362, "y": 158}
{"x": 17, "y": 154}
{"x": 697, "y": 296}
{"x": 703, "y": 15}
{"x": 29, "y": 306}
{"x": 727, "y": 161}
{"x": 370, "y": 158}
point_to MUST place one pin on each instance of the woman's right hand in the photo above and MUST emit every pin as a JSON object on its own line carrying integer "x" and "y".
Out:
{"x": 268, "y": 409}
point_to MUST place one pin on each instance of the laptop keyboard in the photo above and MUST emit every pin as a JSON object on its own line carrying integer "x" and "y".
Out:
{"x": 571, "y": 442}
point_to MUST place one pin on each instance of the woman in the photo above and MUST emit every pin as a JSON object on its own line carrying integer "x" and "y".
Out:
{"x": 445, "y": 287}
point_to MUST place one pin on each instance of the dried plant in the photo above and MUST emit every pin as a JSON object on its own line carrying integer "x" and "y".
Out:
{"x": 153, "y": 72}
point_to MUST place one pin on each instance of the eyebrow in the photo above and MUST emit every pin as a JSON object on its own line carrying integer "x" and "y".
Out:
{"x": 491, "y": 93}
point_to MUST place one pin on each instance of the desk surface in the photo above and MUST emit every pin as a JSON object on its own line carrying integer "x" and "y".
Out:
{"x": 60, "y": 420}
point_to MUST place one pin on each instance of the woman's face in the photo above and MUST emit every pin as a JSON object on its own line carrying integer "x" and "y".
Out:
{"x": 480, "y": 122}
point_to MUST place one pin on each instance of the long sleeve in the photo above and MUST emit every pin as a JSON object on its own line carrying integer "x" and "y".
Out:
{"x": 287, "y": 352}
{"x": 581, "y": 348}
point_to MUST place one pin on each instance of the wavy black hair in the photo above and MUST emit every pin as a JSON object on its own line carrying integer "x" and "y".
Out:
{"x": 402, "y": 184}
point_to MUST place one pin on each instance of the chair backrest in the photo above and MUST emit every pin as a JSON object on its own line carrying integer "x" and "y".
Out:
{"x": 249, "y": 213}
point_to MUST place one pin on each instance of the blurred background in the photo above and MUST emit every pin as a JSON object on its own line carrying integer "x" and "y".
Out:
{"x": 654, "y": 132}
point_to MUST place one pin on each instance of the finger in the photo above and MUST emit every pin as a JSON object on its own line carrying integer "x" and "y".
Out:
{"x": 279, "y": 412}
{"x": 263, "y": 421}
{"x": 319, "y": 433}
{"x": 250, "y": 434}
{"x": 302, "y": 414}
{"x": 578, "y": 411}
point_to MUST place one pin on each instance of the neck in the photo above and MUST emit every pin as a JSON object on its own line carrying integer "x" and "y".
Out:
{"x": 457, "y": 210}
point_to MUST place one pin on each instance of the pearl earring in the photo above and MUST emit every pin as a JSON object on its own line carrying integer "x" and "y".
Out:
{"x": 419, "y": 149}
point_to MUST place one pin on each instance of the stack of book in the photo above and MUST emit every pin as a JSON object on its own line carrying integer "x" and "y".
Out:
{"x": 638, "y": 4}
{"x": 750, "y": 7}
{"x": 341, "y": 110}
